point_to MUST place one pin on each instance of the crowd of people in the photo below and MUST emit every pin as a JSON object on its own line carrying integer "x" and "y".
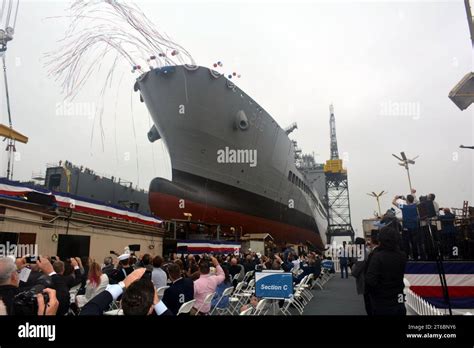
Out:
{"x": 423, "y": 235}
{"x": 82, "y": 286}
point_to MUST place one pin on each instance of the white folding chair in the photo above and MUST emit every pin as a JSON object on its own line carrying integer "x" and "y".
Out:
{"x": 248, "y": 311}
{"x": 248, "y": 276}
{"x": 114, "y": 312}
{"x": 235, "y": 299}
{"x": 186, "y": 307}
{"x": 226, "y": 293}
{"x": 161, "y": 291}
{"x": 207, "y": 301}
{"x": 262, "y": 307}
{"x": 250, "y": 286}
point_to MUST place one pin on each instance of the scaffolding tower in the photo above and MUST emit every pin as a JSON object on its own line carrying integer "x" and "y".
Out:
{"x": 337, "y": 190}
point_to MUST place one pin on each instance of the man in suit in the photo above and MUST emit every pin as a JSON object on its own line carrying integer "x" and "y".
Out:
{"x": 344, "y": 260}
{"x": 180, "y": 291}
{"x": 139, "y": 297}
{"x": 60, "y": 282}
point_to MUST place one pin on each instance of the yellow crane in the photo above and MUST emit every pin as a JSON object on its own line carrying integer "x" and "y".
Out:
{"x": 12, "y": 134}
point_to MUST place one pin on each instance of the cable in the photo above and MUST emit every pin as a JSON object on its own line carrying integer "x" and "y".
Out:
{"x": 3, "y": 8}
{"x": 135, "y": 136}
{"x": 16, "y": 13}
{"x": 9, "y": 12}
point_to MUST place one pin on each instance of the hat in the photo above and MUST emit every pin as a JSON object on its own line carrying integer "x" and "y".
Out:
{"x": 124, "y": 257}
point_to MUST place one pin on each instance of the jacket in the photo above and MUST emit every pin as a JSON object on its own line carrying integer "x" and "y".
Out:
{"x": 384, "y": 276}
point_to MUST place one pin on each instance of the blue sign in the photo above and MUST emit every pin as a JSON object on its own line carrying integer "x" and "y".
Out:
{"x": 275, "y": 285}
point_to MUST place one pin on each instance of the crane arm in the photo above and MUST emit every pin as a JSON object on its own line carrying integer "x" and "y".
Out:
{"x": 10, "y": 133}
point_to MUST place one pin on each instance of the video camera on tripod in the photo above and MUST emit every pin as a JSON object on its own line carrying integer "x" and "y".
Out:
{"x": 426, "y": 212}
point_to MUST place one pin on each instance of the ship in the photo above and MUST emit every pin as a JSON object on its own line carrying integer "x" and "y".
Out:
{"x": 232, "y": 164}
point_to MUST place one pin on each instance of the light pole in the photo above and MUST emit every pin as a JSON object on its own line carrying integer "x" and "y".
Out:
{"x": 377, "y": 197}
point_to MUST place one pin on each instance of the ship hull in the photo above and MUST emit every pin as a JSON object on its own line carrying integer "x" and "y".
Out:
{"x": 214, "y": 202}
{"x": 198, "y": 114}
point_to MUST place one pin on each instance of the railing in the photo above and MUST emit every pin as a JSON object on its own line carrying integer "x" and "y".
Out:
{"x": 416, "y": 305}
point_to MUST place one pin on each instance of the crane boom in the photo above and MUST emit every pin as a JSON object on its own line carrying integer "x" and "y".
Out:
{"x": 332, "y": 127}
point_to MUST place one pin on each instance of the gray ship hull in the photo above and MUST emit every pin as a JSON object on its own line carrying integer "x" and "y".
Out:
{"x": 201, "y": 115}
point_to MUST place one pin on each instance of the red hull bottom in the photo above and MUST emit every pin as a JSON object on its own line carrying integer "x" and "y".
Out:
{"x": 168, "y": 207}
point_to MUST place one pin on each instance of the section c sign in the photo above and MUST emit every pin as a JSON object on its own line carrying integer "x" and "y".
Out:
{"x": 274, "y": 285}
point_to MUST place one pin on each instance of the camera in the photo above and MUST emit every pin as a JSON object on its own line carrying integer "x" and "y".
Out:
{"x": 25, "y": 303}
{"x": 258, "y": 268}
{"x": 31, "y": 259}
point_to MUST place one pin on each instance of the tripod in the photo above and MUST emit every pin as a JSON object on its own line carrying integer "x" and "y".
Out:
{"x": 435, "y": 243}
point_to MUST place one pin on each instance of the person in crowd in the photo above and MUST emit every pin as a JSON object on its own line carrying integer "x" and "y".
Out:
{"x": 310, "y": 266}
{"x": 448, "y": 232}
{"x": 344, "y": 260}
{"x": 372, "y": 244}
{"x": 158, "y": 276}
{"x": 180, "y": 263}
{"x": 139, "y": 297}
{"x": 236, "y": 269}
{"x": 295, "y": 262}
{"x": 62, "y": 284}
{"x": 84, "y": 263}
{"x": 385, "y": 272}
{"x": 206, "y": 284}
{"x": 71, "y": 279}
{"x": 286, "y": 264}
{"x": 227, "y": 283}
{"x": 358, "y": 268}
{"x": 181, "y": 289}
{"x": 192, "y": 268}
{"x": 249, "y": 263}
{"x": 96, "y": 283}
{"x": 254, "y": 300}
{"x": 412, "y": 240}
{"x": 145, "y": 260}
{"x": 108, "y": 266}
{"x": 9, "y": 282}
{"x": 327, "y": 263}
{"x": 123, "y": 269}
{"x": 432, "y": 197}
{"x": 34, "y": 276}
{"x": 50, "y": 308}
{"x": 429, "y": 229}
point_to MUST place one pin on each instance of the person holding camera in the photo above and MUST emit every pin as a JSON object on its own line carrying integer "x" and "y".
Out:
{"x": 44, "y": 299}
{"x": 412, "y": 239}
{"x": 207, "y": 283}
{"x": 139, "y": 297}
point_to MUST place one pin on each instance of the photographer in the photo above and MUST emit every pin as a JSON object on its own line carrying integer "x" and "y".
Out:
{"x": 139, "y": 297}
{"x": 448, "y": 232}
{"x": 11, "y": 297}
{"x": 412, "y": 239}
{"x": 207, "y": 283}
{"x": 60, "y": 282}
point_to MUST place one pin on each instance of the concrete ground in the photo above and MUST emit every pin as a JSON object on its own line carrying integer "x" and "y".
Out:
{"x": 339, "y": 297}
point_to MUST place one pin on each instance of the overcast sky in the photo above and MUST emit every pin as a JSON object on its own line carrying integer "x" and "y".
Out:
{"x": 371, "y": 59}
